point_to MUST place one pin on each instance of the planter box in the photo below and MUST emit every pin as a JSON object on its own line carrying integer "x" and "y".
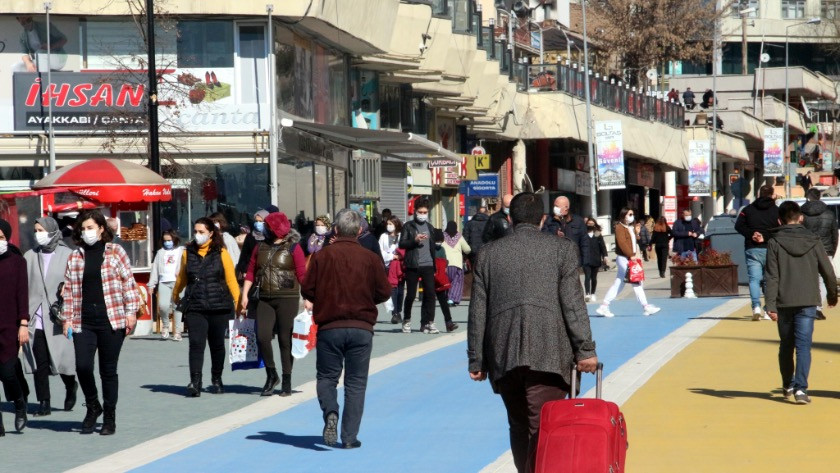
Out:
{"x": 709, "y": 281}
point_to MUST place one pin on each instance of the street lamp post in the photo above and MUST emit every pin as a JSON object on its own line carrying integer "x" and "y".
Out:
{"x": 744, "y": 13}
{"x": 812, "y": 21}
{"x": 47, "y": 8}
{"x": 592, "y": 169}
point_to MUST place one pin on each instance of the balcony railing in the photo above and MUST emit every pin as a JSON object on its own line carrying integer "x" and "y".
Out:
{"x": 619, "y": 98}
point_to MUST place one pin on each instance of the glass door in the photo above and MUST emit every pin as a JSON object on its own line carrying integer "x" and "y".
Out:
{"x": 251, "y": 66}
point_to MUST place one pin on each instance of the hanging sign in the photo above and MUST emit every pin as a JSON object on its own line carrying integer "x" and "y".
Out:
{"x": 610, "y": 149}
{"x": 773, "y": 151}
{"x": 699, "y": 168}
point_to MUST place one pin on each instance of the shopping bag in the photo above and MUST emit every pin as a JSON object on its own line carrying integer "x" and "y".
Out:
{"x": 635, "y": 271}
{"x": 244, "y": 352}
{"x": 389, "y": 306}
{"x": 304, "y": 335}
{"x": 442, "y": 282}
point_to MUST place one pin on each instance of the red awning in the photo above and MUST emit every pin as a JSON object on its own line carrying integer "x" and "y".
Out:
{"x": 109, "y": 181}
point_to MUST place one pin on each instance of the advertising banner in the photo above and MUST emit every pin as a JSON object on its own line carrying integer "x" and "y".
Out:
{"x": 610, "y": 150}
{"x": 774, "y": 151}
{"x": 487, "y": 185}
{"x": 699, "y": 168}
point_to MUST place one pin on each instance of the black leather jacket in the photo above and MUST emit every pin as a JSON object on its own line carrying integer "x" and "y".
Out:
{"x": 410, "y": 245}
{"x": 821, "y": 220}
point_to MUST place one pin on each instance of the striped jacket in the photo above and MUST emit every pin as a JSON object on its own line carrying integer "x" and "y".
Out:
{"x": 121, "y": 296}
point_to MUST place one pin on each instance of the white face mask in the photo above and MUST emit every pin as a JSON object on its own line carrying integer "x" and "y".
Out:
{"x": 4, "y": 246}
{"x": 630, "y": 219}
{"x": 218, "y": 225}
{"x": 390, "y": 228}
{"x": 421, "y": 217}
{"x": 558, "y": 211}
{"x": 687, "y": 218}
{"x": 320, "y": 229}
{"x": 43, "y": 238}
{"x": 202, "y": 238}
{"x": 90, "y": 236}
{"x": 506, "y": 210}
{"x": 591, "y": 234}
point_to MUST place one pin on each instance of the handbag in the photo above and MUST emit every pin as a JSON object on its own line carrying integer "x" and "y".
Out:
{"x": 442, "y": 282}
{"x": 304, "y": 334}
{"x": 244, "y": 351}
{"x": 635, "y": 271}
{"x": 55, "y": 308}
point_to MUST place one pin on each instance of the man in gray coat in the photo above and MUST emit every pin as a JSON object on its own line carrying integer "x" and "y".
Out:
{"x": 528, "y": 322}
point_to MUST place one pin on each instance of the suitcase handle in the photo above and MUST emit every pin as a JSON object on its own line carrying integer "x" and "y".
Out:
{"x": 599, "y": 375}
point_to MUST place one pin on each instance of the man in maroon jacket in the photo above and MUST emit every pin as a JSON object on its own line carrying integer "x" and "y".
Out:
{"x": 344, "y": 283}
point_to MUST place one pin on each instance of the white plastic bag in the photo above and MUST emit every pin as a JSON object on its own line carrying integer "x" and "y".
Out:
{"x": 389, "y": 305}
{"x": 303, "y": 334}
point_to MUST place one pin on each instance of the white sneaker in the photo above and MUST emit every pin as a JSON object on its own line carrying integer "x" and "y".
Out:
{"x": 651, "y": 309}
{"x": 592, "y": 298}
{"x": 164, "y": 334}
{"x": 605, "y": 311}
{"x": 765, "y": 317}
{"x": 587, "y": 298}
{"x": 431, "y": 329}
{"x": 406, "y": 328}
{"x": 757, "y": 313}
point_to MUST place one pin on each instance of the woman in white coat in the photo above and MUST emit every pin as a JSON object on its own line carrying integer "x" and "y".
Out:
{"x": 165, "y": 269}
{"x": 48, "y": 351}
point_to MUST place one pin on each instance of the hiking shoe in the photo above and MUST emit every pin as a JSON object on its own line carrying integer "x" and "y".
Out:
{"x": 395, "y": 318}
{"x": 331, "y": 429}
{"x": 787, "y": 393}
{"x": 605, "y": 311}
{"x": 406, "y": 327}
{"x": 430, "y": 329}
{"x": 801, "y": 397}
{"x": 757, "y": 313}
{"x": 820, "y": 315}
{"x": 451, "y": 326}
{"x": 651, "y": 309}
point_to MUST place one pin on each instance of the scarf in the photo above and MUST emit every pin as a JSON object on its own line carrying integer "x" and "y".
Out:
{"x": 51, "y": 226}
{"x": 451, "y": 240}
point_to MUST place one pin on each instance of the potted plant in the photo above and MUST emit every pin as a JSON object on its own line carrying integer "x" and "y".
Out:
{"x": 713, "y": 275}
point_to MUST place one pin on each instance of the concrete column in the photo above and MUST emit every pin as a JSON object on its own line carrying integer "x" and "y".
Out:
{"x": 670, "y": 183}
{"x": 519, "y": 166}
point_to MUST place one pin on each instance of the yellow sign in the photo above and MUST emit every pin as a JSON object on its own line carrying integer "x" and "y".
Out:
{"x": 482, "y": 161}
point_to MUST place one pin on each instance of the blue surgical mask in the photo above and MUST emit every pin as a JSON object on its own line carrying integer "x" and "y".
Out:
{"x": 506, "y": 210}
{"x": 259, "y": 226}
{"x": 169, "y": 244}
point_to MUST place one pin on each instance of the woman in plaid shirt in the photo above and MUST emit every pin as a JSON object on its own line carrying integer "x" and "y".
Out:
{"x": 100, "y": 308}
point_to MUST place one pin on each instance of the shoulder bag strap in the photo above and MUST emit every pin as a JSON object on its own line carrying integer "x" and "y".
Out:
{"x": 43, "y": 279}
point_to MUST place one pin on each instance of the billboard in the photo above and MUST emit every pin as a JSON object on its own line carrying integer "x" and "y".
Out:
{"x": 774, "y": 152}
{"x": 610, "y": 149}
{"x": 699, "y": 168}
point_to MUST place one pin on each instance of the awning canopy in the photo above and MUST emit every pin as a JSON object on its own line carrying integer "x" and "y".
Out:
{"x": 402, "y": 146}
{"x": 109, "y": 181}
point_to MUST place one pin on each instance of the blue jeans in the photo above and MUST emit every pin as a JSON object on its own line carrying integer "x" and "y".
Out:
{"x": 689, "y": 254}
{"x": 756, "y": 258}
{"x": 348, "y": 349}
{"x": 796, "y": 330}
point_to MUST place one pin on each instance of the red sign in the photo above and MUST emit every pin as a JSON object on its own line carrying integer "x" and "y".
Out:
{"x": 670, "y": 204}
{"x": 462, "y": 208}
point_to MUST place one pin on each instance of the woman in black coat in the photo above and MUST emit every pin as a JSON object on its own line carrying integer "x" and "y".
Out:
{"x": 594, "y": 259}
{"x": 660, "y": 240}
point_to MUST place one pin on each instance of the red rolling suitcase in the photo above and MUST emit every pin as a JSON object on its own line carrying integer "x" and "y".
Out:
{"x": 581, "y": 435}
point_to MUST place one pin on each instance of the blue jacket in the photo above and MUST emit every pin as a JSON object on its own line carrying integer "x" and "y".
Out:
{"x": 683, "y": 242}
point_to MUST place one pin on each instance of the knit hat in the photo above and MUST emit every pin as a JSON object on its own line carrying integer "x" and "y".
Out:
{"x": 271, "y": 209}
{"x": 279, "y": 224}
{"x": 6, "y": 228}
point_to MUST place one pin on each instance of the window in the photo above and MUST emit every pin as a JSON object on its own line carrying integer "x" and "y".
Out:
{"x": 741, "y": 5}
{"x": 205, "y": 44}
{"x": 792, "y": 9}
{"x": 830, "y": 9}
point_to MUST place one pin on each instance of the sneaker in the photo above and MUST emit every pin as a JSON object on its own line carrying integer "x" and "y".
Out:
{"x": 451, "y": 326}
{"x": 164, "y": 334}
{"x": 787, "y": 393}
{"x": 605, "y": 311}
{"x": 765, "y": 317}
{"x": 651, "y": 309}
{"x": 820, "y": 315}
{"x": 176, "y": 337}
{"x": 430, "y": 329}
{"x": 331, "y": 429}
{"x": 801, "y": 397}
{"x": 757, "y": 313}
{"x": 586, "y": 298}
{"x": 451, "y": 302}
{"x": 395, "y": 318}
{"x": 406, "y": 327}
{"x": 592, "y": 298}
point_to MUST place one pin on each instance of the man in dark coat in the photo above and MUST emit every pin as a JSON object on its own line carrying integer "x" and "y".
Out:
{"x": 565, "y": 224}
{"x": 686, "y": 233}
{"x": 499, "y": 224}
{"x": 344, "y": 283}
{"x": 473, "y": 231}
{"x": 528, "y": 322}
{"x": 822, "y": 222}
{"x": 755, "y": 222}
{"x": 417, "y": 239}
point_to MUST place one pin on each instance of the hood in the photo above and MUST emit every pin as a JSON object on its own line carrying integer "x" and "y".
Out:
{"x": 814, "y": 208}
{"x": 796, "y": 240}
{"x": 764, "y": 203}
{"x": 480, "y": 217}
{"x": 293, "y": 236}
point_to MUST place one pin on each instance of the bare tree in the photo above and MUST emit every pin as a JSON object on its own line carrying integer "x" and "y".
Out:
{"x": 638, "y": 35}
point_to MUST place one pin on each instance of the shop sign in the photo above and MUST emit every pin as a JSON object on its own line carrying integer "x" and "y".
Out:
{"x": 645, "y": 175}
{"x": 581, "y": 162}
{"x": 487, "y": 185}
{"x": 583, "y": 185}
{"x": 610, "y": 150}
{"x": 309, "y": 147}
{"x": 699, "y": 168}
{"x": 478, "y": 150}
{"x": 773, "y": 151}
{"x": 482, "y": 161}
{"x": 442, "y": 163}
{"x": 670, "y": 208}
{"x": 451, "y": 176}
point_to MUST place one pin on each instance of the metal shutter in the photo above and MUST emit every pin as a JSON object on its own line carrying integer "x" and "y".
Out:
{"x": 393, "y": 193}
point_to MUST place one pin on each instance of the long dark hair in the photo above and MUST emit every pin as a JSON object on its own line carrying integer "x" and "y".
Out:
{"x": 622, "y": 216}
{"x": 99, "y": 219}
{"x": 661, "y": 225}
{"x": 397, "y": 224}
{"x": 216, "y": 241}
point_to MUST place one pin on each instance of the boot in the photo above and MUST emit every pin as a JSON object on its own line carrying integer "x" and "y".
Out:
{"x": 70, "y": 398}
{"x": 109, "y": 422}
{"x": 270, "y": 382}
{"x": 216, "y": 385}
{"x": 286, "y": 387}
{"x": 20, "y": 414}
{"x": 44, "y": 408}
{"x": 194, "y": 388}
{"x": 94, "y": 410}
